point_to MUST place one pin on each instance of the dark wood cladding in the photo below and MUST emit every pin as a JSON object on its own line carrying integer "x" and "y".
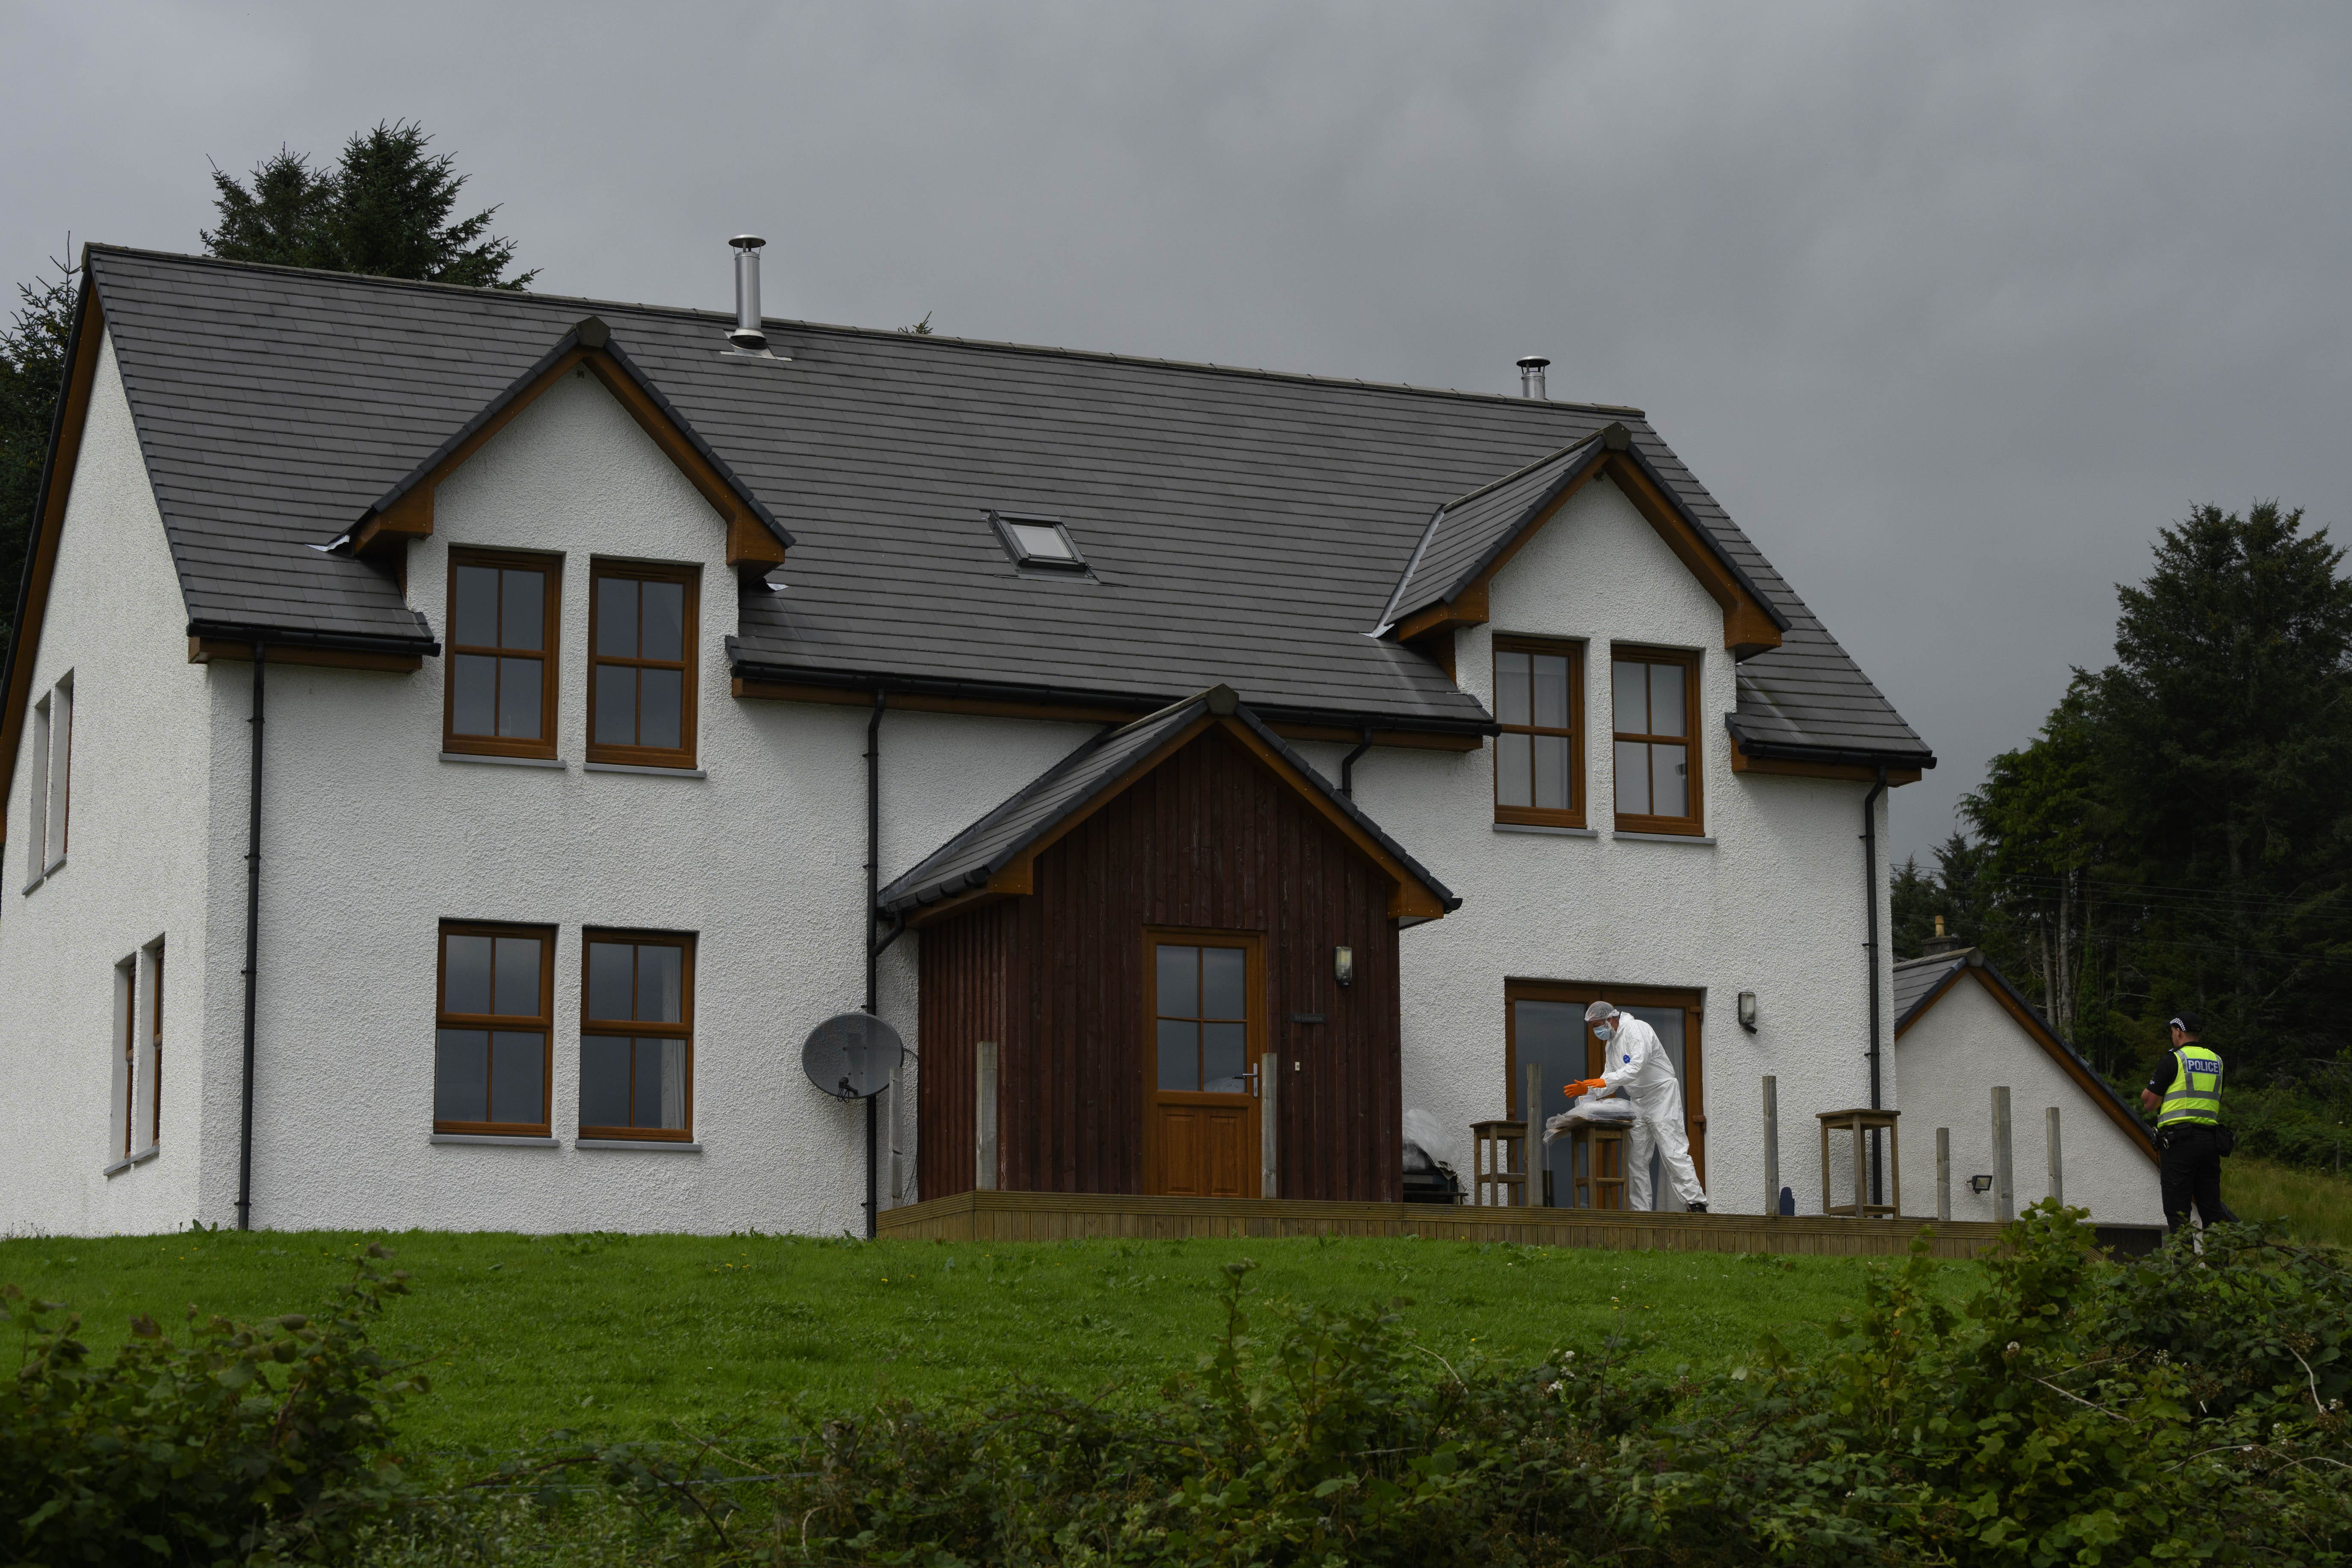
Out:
{"x": 1209, "y": 840}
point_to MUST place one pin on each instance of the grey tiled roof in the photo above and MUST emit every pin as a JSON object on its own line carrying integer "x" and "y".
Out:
{"x": 1916, "y": 978}
{"x": 1465, "y": 532}
{"x": 1102, "y": 766}
{"x": 1243, "y": 528}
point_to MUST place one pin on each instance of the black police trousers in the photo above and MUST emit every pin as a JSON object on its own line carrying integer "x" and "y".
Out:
{"x": 2190, "y": 1171}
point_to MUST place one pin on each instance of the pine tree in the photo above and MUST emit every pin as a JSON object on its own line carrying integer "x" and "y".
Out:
{"x": 32, "y": 371}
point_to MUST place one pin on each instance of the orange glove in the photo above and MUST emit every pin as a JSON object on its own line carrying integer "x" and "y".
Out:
{"x": 1581, "y": 1086}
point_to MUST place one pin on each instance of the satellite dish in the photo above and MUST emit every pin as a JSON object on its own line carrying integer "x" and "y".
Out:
{"x": 851, "y": 1055}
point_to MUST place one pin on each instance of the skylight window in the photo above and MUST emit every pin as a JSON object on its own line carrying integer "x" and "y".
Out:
{"x": 1037, "y": 542}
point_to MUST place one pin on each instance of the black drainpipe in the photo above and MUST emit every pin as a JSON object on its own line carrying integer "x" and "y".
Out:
{"x": 872, "y": 948}
{"x": 1347, "y": 764}
{"x": 1870, "y": 864}
{"x": 252, "y": 949}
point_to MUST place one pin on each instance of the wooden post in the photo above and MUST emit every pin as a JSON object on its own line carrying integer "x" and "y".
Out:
{"x": 1861, "y": 1172}
{"x": 2057, "y": 1166}
{"x": 1944, "y": 1173}
{"x": 984, "y": 1101}
{"x": 1269, "y": 1082}
{"x": 1531, "y": 1152}
{"x": 1825, "y": 1168}
{"x": 2004, "y": 1188}
{"x": 1772, "y": 1147}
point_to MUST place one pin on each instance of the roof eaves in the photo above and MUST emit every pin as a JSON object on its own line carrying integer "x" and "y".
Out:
{"x": 1779, "y": 616}
{"x": 1399, "y": 605}
{"x": 1354, "y": 813}
{"x": 1799, "y": 752}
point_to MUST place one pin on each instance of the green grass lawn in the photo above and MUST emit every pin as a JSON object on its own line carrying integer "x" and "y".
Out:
{"x": 2316, "y": 1206}
{"x": 629, "y": 1336}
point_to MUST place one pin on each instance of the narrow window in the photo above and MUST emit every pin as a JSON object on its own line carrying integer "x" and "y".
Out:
{"x": 502, "y": 624}
{"x": 37, "y": 794}
{"x": 495, "y": 1017}
{"x": 1655, "y": 698}
{"x": 637, "y": 1037}
{"x": 127, "y": 987}
{"x": 641, "y": 665}
{"x": 1539, "y": 755}
{"x": 155, "y": 1046}
{"x": 60, "y": 770}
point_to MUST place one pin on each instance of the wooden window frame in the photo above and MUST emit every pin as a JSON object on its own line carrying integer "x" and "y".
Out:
{"x": 1254, "y": 981}
{"x": 1693, "y": 825}
{"x": 606, "y": 1028}
{"x": 1693, "y": 1003}
{"x": 155, "y": 1046}
{"x": 549, "y": 655}
{"x": 509, "y": 1023}
{"x": 690, "y": 639}
{"x": 128, "y": 972}
{"x": 1534, "y": 816}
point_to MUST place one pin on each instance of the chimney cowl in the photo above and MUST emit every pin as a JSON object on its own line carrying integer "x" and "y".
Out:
{"x": 1531, "y": 376}
{"x": 749, "y": 335}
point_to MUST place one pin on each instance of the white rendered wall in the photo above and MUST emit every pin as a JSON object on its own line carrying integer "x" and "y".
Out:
{"x": 1952, "y": 1058}
{"x": 1774, "y": 906}
{"x": 133, "y": 869}
{"x": 370, "y": 841}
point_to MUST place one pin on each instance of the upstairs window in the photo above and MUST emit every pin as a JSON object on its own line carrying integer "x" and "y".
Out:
{"x": 1655, "y": 695}
{"x": 502, "y": 623}
{"x": 494, "y": 1020}
{"x": 1041, "y": 541}
{"x": 48, "y": 789}
{"x": 1539, "y": 755}
{"x": 641, "y": 650}
{"x": 637, "y": 1037}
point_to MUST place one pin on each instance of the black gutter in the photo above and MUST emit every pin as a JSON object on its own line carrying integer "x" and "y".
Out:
{"x": 1776, "y": 751}
{"x": 252, "y": 948}
{"x": 1870, "y": 864}
{"x": 424, "y": 643}
{"x": 873, "y": 951}
{"x": 1347, "y": 766}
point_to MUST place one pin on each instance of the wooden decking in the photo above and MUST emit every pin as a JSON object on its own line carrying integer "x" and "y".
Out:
{"x": 1066, "y": 1217}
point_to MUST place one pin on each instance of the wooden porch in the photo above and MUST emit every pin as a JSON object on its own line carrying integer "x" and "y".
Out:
{"x": 1069, "y": 1216}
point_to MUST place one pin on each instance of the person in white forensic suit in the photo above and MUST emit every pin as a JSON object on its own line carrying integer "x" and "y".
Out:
{"x": 1639, "y": 1064}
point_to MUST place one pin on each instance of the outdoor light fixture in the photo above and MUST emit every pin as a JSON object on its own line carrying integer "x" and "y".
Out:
{"x": 1343, "y": 964}
{"x": 1747, "y": 1011}
{"x": 1980, "y": 1184}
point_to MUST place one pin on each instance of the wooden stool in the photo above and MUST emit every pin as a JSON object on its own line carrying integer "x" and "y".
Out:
{"x": 1498, "y": 1163}
{"x": 1859, "y": 1121}
{"x": 1599, "y": 1181}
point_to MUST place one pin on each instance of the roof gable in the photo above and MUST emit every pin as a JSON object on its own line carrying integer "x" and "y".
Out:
{"x": 996, "y": 855}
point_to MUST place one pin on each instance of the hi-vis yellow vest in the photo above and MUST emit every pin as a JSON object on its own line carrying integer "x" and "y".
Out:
{"x": 2196, "y": 1091}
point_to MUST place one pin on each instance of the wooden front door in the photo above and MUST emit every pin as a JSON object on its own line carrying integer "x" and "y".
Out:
{"x": 1200, "y": 1131}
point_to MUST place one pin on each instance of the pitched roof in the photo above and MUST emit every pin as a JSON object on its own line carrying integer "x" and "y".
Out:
{"x": 1918, "y": 979}
{"x": 1243, "y": 528}
{"x": 1093, "y": 774}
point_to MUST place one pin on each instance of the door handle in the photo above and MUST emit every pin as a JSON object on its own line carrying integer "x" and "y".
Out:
{"x": 1251, "y": 1077}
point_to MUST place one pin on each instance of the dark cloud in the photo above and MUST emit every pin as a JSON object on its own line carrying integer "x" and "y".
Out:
{"x": 1954, "y": 307}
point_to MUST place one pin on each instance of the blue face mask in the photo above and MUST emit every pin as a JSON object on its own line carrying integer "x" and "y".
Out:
{"x": 1604, "y": 1031}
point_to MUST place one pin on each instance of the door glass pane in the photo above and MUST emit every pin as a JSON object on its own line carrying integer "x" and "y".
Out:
{"x": 1669, "y": 788}
{"x": 1223, "y": 971}
{"x": 461, "y": 1076}
{"x": 609, "y": 971}
{"x": 1552, "y": 772}
{"x": 616, "y": 705}
{"x": 1511, "y": 688}
{"x": 603, "y": 1080}
{"x": 617, "y": 616}
{"x": 517, "y": 1077}
{"x": 1549, "y": 1036}
{"x": 1179, "y": 981}
{"x": 1666, "y": 713}
{"x": 659, "y": 710}
{"x": 474, "y": 696}
{"x": 518, "y": 978}
{"x": 665, "y": 620}
{"x": 1633, "y": 693}
{"x": 661, "y": 984}
{"x": 645, "y": 1079}
{"x": 522, "y": 604}
{"x": 1632, "y": 779}
{"x": 1511, "y": 770}
{"x": 673, "y": 1081}
{"x": 466, "y": 974}
{"x": 477, "y": 606}
{"x": 1668, "y": 1023}
{"x": 1179, "y": 1053}
{"x": 1225, "y": 1056}
{"x": 1551, "y": 691}
{"x": 517, "y": 699}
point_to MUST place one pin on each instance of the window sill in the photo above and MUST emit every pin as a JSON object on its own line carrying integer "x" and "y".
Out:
{"x": 645, "y": 1145}
{"x": 512, "y": 1141}
{"x": 47, "y": 871}
{"x": 1546, "y": 828}
{"x": 1665, "y": 838}
{"x": 640, "y": 768}
{"x": 141, "y": 1158}
{"x": 497, "y": 762}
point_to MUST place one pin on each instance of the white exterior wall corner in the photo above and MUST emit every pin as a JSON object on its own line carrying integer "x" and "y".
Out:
{"x": 1775, "y": 906}
{"x": 1953, "y": 1056}
{"x": 134, "y": 869}
{"x": 370, "y": 841}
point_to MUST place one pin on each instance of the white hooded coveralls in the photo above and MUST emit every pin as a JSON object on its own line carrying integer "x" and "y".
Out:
{"x": 1638, "y": 1064}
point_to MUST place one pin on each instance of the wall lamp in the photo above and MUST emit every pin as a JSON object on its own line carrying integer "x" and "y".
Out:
{"x": 1747, "y": 1011}
{"x": 1343, "y": 964}
{"x": 1980, "y": 1184}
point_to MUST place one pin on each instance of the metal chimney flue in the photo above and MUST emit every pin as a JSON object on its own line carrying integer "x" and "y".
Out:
{"x": 1531, "y": 376}
{"x": 748, "y": 336}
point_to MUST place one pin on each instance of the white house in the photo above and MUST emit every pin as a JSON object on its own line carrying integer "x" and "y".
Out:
{"x": 459, "y": 744}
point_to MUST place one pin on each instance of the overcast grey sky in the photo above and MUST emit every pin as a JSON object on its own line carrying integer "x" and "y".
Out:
{"x": 1953, "y": 308}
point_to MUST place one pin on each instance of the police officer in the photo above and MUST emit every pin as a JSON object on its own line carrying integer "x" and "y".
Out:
{"x": 2186, "y": 1095}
